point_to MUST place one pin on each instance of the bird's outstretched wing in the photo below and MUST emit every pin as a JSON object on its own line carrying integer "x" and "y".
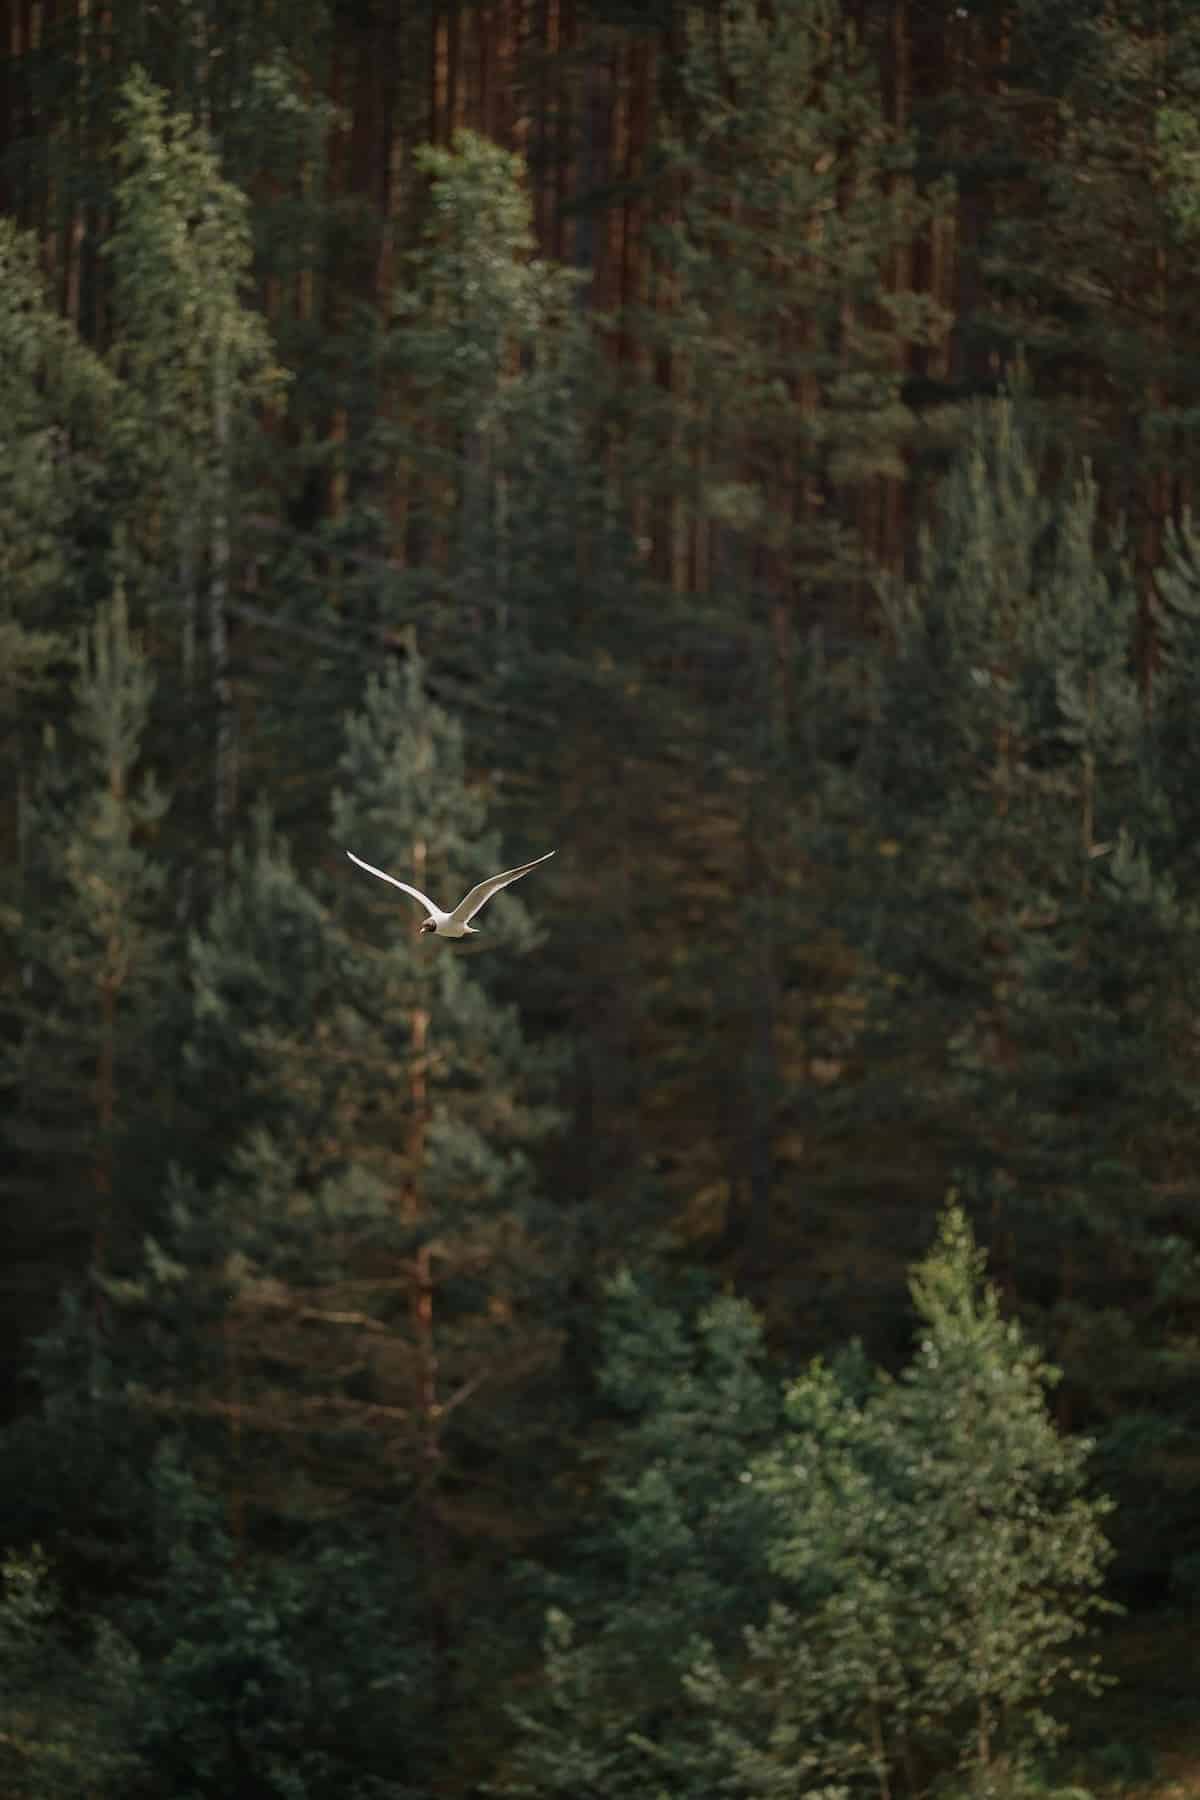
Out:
{"x": 404, "y": 886}
{"x": 482, "y": 892}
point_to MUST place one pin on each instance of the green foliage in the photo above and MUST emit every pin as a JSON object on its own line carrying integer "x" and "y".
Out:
{"x": 68, "y": 1711}
{"x": 938, "y": 1556}
{"x": 488, "y": 366}
{"x": 1015, "y": 1551}
{"x": 365, "y": 1245}
{"x": 87, "y": 937}
{"x": 479, "y": 297}
{"x": 260, "y": 971}
{"x": 686, "y": 1532}
{"x": 829, "y": 926}
{"x": 197, "y": 363}
{"x": 1179, "y": 145}
{"x": 297, "y": 1677}
{"x": 789, "y": 169}
{"x": 54, "y": 395}
{"x": 1027, "y": 948}
{"x": 188, "y": 345}
{"x": 908, "y": 1564}
{"x": 1092, "y": 227}
{"x": 679, "y": 1550}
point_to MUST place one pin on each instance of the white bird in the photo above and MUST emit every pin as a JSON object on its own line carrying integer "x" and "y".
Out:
{"x": 455, "y": 924}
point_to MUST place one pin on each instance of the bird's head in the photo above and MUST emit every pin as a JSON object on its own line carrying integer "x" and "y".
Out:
{"x": 429, "y": 925}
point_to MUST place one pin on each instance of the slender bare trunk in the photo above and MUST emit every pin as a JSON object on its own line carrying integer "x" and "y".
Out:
{"x": 762, "y": 1071}
{"x": 233, "y": 1373}
{"x": 428, "y": 1410}
{"x": 106, "y": 1106}
{"x": 983, "y": 1747}
{"x": 225, "y": 754}
{"x": 433, "y": 1537}
{"x": 879, "y": 1753}
{"x": 189, "y": 605}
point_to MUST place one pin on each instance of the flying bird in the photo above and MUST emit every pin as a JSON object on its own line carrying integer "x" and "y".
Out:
{"x": 455, "y": 924}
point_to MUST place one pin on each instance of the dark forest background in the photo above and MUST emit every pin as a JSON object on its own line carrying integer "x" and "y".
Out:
{"x": 730, "y": 1327}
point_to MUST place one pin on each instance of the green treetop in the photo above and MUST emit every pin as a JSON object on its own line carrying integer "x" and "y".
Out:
{"x": 196, "y": 360}
{"x": 891, "y": 1586}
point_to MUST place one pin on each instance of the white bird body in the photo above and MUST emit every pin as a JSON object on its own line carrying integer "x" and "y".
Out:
{"x": 456, "y": 924}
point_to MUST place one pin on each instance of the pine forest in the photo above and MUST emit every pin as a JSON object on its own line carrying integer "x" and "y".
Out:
{"x": 732, "y": 1326}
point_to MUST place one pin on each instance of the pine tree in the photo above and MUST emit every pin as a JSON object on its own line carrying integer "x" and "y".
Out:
{"x": 86, "y": 938}
{"x": 373, "y": 1243}
{"x": 780, "y": 312}
{"x": 69, "y": 1711}
{"x": 676, "y": 1550}
{"x": 295, "y": 1675}
{"x": 196, "y": 359}
{"x": 1080, "y": 253}
{"x": 1016, "y": 1550}
{"x": 884, "y": 1581}
{"x": 937, "y": 1555}
{"x": 55, "y": 396}
{"x": 1017, "y": 926}
{"x": 498, "y": 437}
{"x": 61, "y": 410}
{"x": 1024, "y": 932}
{"x": 344, "y": 1304}
{"x": 776, "y": 346}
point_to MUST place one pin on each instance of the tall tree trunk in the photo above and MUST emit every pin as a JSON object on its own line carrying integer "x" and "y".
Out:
{"x": 225, "y": 749}
{"x": 106, "y": 1106}
{"x": 428, "y": 1409}
{"x": 761, "y": 1074}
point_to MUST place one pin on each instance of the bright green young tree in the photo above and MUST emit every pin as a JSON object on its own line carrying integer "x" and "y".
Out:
{"x": 1014, "y": 1548}
{"x": 893, "y": 1585}
{"x": 938, "y": 1559}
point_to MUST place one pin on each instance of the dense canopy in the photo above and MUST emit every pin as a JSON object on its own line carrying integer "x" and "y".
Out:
{"x": 733, "y": 1325}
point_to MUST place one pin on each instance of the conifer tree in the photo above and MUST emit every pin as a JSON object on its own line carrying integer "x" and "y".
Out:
{"x": 677, "y": 1552}
{"x": 1027, "y": 950}
{"x": 376, "y": 1252}
{"x": 55, "y": 398}
{"x": 781, "y": 314}
{"x": 1089, "y": 260}
{"x": 478, "y": 329}
{"x": 86, "y": 940}
{"x": 777, "y": 342}
{"x": 879, "y": 1581}
{"x": 298, "y": 1674}
{"x": 937, "y": 1556}
{"x": 69, "y": 1711}
{"x": 195, "y": 359}
{"x": 62, "y": 412}
{"x": 498, "y": 436}
{"x": 344, "y": 1299}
